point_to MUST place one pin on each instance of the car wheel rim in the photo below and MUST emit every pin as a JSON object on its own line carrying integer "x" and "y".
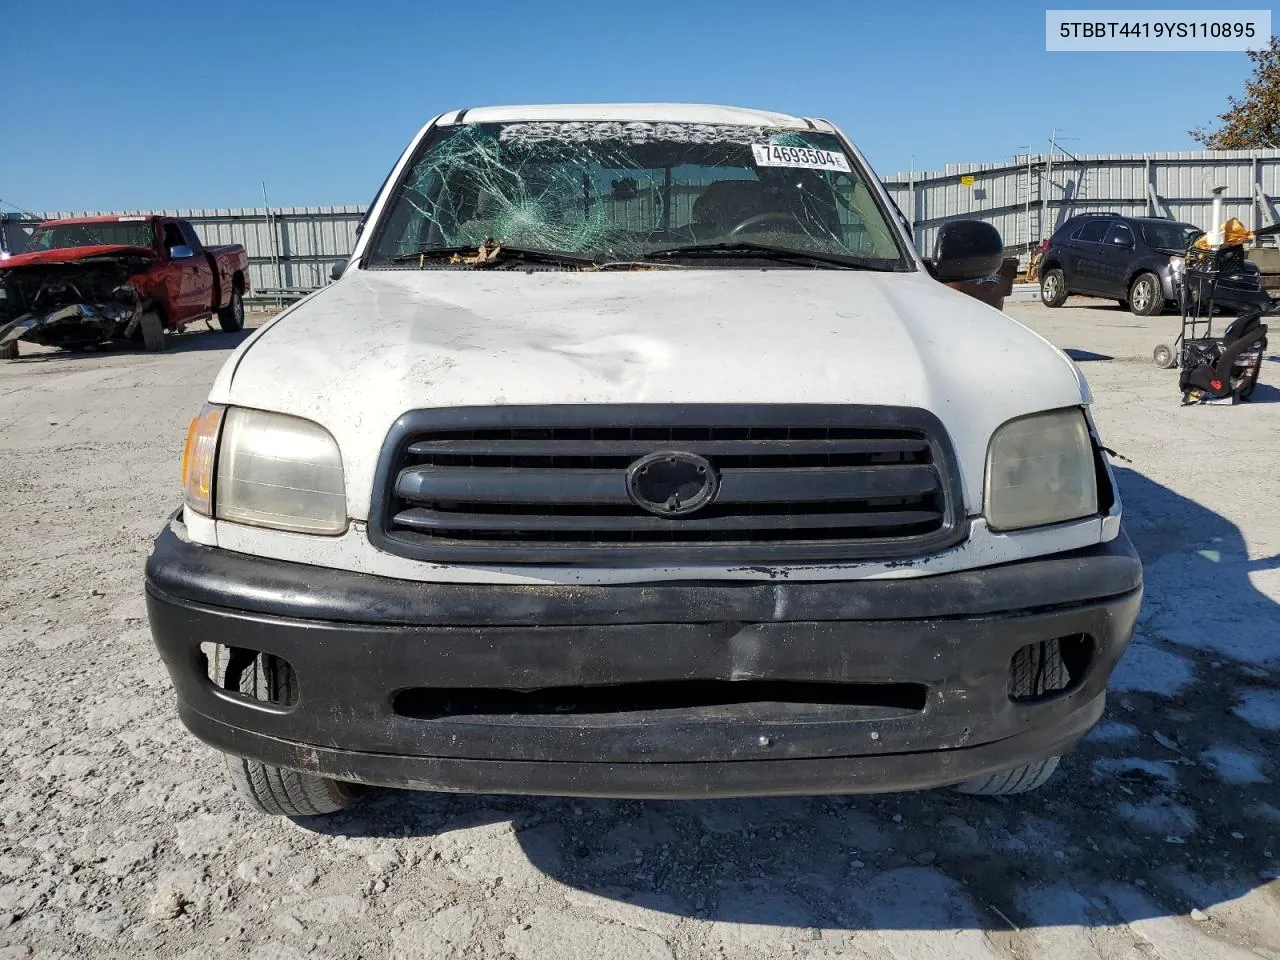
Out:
{"x": 1141, "y": 295}
{"x": 238, "y": 308}
{"x": 1050, "y": 288}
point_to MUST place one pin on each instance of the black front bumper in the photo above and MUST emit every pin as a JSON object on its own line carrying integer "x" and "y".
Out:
{"x": 1239, "y": 297}
{"x": 356, "y": 641}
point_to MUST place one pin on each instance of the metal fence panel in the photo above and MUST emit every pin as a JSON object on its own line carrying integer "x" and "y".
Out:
{"x": 1026, "y": 200}
{"x": 293, "y": 248}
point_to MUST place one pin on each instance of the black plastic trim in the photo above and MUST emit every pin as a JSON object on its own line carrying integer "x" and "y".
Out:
{"x": 749, "y": 777}
{"x": 409, "y": 426}
{"x": 357, "y": 641}
{"x": 425, "y": 519}
{"x": 750, "y": 485}
{"x": 218, "y": 577}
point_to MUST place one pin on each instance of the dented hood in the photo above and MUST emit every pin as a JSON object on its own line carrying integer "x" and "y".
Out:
{"x": 74, "y": 255}
{"x": 358, "y": 354}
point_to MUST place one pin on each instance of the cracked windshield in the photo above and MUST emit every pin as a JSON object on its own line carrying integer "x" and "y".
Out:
{"x": 613, "y": 192}
{"x": 90, "y": 235}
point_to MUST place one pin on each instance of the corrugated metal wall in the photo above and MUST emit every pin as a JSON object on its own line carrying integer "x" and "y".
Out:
{"x": 290, "y": 249}
{"x": 1026, "y": 200}
{"x": 293, "y": 248}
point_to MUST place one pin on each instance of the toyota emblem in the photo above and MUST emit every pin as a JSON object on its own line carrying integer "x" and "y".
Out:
{"x": 672, "y": 484}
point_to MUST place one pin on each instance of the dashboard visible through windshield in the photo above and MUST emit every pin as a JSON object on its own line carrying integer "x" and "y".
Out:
{"x": 615, "y": 192}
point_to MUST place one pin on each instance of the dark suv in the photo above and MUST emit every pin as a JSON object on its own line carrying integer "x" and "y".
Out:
{"x": 1135, "y": 260}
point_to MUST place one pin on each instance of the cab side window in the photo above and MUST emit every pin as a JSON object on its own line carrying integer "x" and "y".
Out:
{"x": 1120, "y": 235}
{"x": 189, "y": 235}
{"x": 172, "y": 237}
{"x": 1092, "y": 232}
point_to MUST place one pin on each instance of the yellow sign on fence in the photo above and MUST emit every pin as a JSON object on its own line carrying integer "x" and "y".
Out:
{"x": 966, "y": 180}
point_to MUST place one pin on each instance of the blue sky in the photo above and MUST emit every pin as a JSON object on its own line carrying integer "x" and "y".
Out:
{"x": 133, "y": 104}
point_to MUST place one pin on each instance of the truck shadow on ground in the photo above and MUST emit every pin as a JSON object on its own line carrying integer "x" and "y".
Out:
{"x": 196, "y": 340}
{"x": 1167, "y": 806}
{"x": 192, "y": 341}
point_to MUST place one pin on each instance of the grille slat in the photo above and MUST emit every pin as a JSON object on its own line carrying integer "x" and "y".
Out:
{"x": 479, "y": 484}
{"x": 512, "y": 485}
{"x": 638, "y": 448}
{"x": 420, "y": 518}
{"x": 549, "y": 484}
{"x": 763, "y": 485}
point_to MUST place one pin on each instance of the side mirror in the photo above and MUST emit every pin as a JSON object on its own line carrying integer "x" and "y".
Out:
{"x": 181, "y": 252}
{"x": 1122, "y": 241}
{"x": 338, "y": 270}
{"x": 967, "y": 250}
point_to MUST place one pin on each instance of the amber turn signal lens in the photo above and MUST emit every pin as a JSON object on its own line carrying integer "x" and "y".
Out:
{"x": 198, "y": 459}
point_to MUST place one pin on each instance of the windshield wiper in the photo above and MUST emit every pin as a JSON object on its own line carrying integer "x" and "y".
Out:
{"x": 764, "y": 251}
{"x": 491, "y": 253}
{"x": 746, "y": 248}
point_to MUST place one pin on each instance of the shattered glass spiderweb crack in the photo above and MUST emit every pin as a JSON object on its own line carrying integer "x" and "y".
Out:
{"x": 616, "y": 190}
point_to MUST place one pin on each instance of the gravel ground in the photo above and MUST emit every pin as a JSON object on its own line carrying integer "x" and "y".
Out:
{"x": 1159, "y": 838}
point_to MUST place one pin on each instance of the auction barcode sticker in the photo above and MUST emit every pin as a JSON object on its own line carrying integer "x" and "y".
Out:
{"x": 1138, "y": 30}
{"x": 807, "y": 158}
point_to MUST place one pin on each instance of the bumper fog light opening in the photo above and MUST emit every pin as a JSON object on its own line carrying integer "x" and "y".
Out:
{"x": 250, "y": 674}
{"x": 1048, "y": 669}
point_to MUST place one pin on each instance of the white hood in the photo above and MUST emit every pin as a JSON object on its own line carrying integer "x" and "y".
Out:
{"x": 361, "y": 352}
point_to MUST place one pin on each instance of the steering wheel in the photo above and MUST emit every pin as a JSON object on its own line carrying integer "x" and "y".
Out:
{"x": 784, "y": 219}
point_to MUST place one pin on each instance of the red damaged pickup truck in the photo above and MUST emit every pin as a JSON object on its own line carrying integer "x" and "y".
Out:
{"x": 91, "y": 280}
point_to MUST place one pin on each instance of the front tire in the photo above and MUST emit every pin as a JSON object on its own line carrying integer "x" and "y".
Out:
{"x": 1146, "y": 299}
{"x": 1021, "y": 779}
{"x": 1053, "y": 288}
{"x": 279, "y": 791}
{"x": 231, "y": 317}
{"x": 152, "y": 328}
{"x": 1164, "y": 357}
{"x": 287, "y": 793}
{"x": 1036, "y": 670}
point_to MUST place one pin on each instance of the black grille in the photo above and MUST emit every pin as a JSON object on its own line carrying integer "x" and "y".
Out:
{"x": 549, "y": 484}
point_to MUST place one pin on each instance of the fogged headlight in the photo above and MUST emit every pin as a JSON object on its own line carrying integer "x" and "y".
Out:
{"x": 279, "y": 471}
{"x": 1040, "y": 471}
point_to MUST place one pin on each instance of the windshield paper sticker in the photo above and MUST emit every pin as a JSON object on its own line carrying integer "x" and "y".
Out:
{"x": 807, "y": 158}
{"x": 578, "y": 131}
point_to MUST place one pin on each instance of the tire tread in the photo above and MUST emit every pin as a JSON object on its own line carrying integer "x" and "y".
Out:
{"x": 227, "y": 319}
{"x": 1036, "y": 668}
{"x": 1063, "y": 293}
{"x": 1157, "y": 303}
{"x": 280, "y": 791}
{"x": 152, "y": 328}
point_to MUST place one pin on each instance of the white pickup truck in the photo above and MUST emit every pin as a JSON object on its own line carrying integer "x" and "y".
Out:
{"x": 637, "y": 453}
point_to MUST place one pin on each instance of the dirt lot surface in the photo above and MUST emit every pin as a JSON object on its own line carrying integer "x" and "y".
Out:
{"x": 1159, "y": 838}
